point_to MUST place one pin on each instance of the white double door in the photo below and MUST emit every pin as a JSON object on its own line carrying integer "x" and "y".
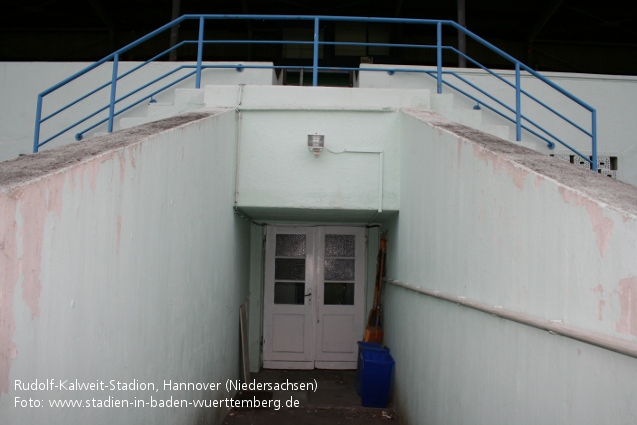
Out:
{"x": 313, "y": 297}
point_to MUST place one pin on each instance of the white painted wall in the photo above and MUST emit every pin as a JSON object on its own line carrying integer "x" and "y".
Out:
{"x": 483, "y": 226}
{"x": 127, "y": 265}
{"x": 614, "y": 97}
{"x": 21, "y": 82}
{"x": 276, "y": 169}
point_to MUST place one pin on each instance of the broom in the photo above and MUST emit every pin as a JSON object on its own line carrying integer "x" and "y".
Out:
{"x": 374, "y": 329}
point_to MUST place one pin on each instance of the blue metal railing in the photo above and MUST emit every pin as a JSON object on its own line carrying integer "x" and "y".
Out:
{"x": 452, "y": 79}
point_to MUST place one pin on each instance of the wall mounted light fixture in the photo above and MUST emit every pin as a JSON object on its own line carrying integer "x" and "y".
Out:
{"x": 315, "y": 143}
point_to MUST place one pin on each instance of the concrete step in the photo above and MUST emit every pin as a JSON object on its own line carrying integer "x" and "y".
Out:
{"x": 443, "y": 104}
{"x": 128, "y": 122}
{"x": 501, "y": 131}
{"x": 184, "y": 100}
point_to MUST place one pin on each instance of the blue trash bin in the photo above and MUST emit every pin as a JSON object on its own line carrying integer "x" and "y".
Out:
{"x": 377, "y": 368}
{"x": 365, "y": 346}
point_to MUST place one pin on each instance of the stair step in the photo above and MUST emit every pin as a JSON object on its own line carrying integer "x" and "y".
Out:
{"x": 501, "y": 131}
{"x": 128, "y": 122}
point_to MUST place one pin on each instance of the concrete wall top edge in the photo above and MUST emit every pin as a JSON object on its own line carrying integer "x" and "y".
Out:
{"x": 559, "y": 75}
{"x": 615, "y": 194}
{"x": 21, "y": 170}
{"x": 295, "y": 97}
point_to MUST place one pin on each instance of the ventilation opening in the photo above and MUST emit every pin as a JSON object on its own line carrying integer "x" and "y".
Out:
{"x": 606, "y": 165}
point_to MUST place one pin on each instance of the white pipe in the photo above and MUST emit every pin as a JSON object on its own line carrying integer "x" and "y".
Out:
{"x": 553, "y": 327}
{"x": 236, "y": 174}
{"x": 238, "y": 161}
{"x": 381, "y": 161}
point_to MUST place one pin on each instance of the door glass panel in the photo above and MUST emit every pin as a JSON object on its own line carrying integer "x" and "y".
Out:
{"x": 339, "y": 269}
{"x": 289, "y": 268}
{"x": 290, "y": 245}
{"x": 289, "y": 292}
{"x": 340, "y": 245}
{"x": 339, "y": 293}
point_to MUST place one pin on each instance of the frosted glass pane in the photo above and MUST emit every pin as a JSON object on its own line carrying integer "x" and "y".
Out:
{"x": 290, "y": 246}
{"x": 289, "y": 293}
{"x": 337, "y": 293}
{"x": 289, "y": 268}
{"x": 339, "y": 269}
{"x": 340, "y": 245}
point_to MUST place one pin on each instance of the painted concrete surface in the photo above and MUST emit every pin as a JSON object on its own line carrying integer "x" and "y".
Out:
{"x": 508, "y": 227}
{"x": 612, "y": 96}
{"x": 357, "y": 171}
{"x": 21, "y": 82}
{"x": 122, "y": 260}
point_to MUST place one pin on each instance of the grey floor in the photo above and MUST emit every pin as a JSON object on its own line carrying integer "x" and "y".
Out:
{"x": 334, "y": 402}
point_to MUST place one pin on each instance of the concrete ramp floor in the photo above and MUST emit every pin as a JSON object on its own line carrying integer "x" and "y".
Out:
{"x": 335, "y": 401}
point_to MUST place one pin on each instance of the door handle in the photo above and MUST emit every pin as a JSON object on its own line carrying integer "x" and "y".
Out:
{"x": 308, "y": 295}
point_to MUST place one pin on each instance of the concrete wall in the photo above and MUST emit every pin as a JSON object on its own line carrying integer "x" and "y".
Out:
{"x": 21, "y": 82}
{"x": 614, "y": 97}
{"x": 122, "y": 260}
{"x": 505, "y": 226}
{"x": 276, "y": 169}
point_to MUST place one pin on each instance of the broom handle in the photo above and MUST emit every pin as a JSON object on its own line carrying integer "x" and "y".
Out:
{"x": 383, "y": 250}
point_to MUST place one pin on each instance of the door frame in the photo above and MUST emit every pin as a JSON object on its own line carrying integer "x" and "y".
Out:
{"x": 315, "y": 240}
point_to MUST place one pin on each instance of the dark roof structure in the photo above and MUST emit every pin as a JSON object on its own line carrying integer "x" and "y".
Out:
{"x": 584, "y": 36}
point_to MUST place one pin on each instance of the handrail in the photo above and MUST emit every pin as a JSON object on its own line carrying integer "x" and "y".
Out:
{"x": 606, "y": 342}
{"x": 513, "y": 113}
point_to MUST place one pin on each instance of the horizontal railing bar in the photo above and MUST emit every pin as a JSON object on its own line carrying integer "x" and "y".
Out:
{"x": 321, "y": 18}
{"x": 327, "y": 43}
{"x": 256, "y": 42}
{"x": 316, "y": 68}
{"x": 617, "y": 345}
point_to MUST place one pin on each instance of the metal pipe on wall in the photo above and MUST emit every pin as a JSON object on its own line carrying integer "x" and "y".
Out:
{"x": 554, "y": 327}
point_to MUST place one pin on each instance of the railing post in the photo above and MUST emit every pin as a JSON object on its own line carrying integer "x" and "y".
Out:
{"x": 518, "y": 104}
{"x": 439, "y": 57}
{"x": 38, "y": 117}
{"x": 111, "y": 107}
{"x": 316, "y": 53}
{"x": 594, "y": 141}
{"x": 199, "y": 53}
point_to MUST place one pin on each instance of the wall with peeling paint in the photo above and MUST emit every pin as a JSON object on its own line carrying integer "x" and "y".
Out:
{"x": 614, "y": 97}
{"x": 505, "y": 226}
{"x": 21, "y": 82}
{"x": 105, "y": 257}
